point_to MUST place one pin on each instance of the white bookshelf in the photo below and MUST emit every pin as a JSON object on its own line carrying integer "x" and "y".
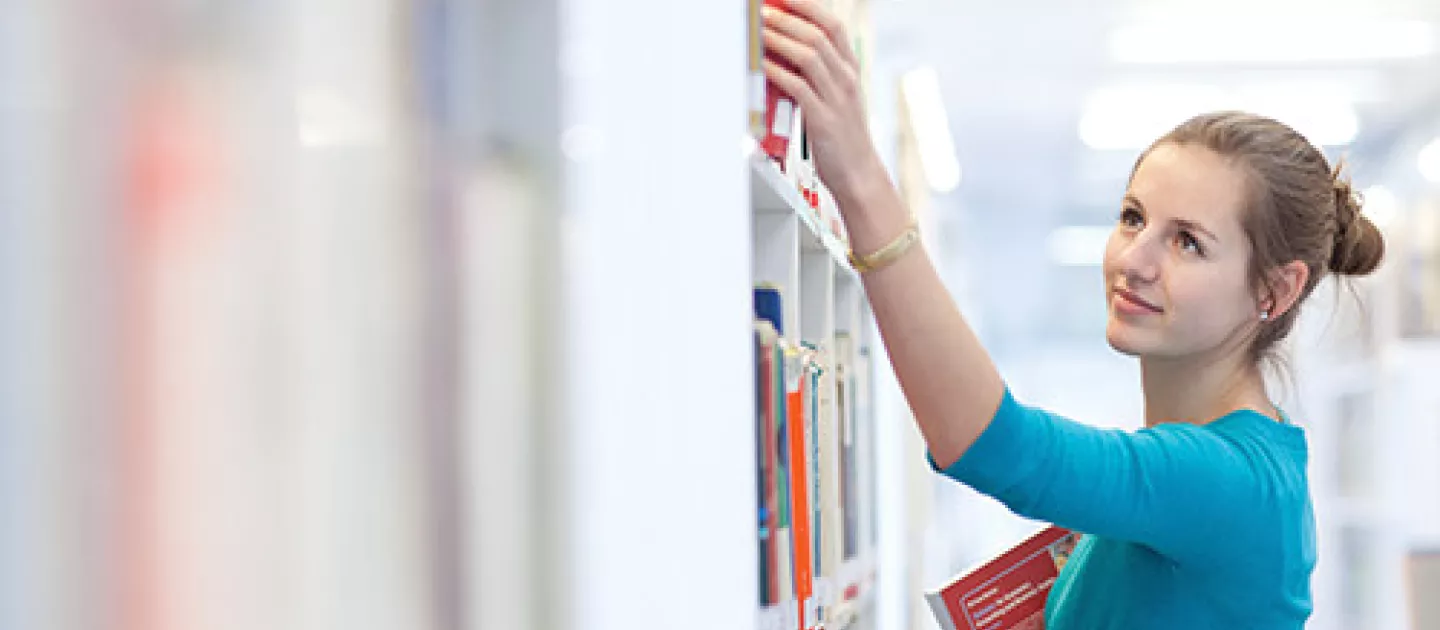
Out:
{"x": 644, "y": 462}
{"x": 858, "y": 571}
{"x": 773, "y": 195}
{"x": 822, "y": 297}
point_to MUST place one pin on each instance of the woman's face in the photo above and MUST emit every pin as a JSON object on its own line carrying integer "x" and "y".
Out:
{"x": 1176, "y": 265}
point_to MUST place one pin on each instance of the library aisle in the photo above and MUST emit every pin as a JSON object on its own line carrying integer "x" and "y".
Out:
{"x": 535, "y": 314}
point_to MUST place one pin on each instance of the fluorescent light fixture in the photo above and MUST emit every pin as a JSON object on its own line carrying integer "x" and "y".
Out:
{"x": 1272, "y": 41}
{"x": 1324, "y": 123}
{"x": 1429, "y": 161}
{"x": 1079, "y": 245}
{"x": 1133, "y": 116}
{"x": 1381, "y": 205}
{"x": 936, "y": 146}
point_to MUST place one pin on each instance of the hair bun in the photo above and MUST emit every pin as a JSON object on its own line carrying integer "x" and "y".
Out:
{"x": 1359, "y": 246}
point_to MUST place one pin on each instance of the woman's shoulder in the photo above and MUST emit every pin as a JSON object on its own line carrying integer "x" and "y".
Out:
{"x": 1252, "y": 424}
{"x": 1240, "y": 425}
{"x": 1277, "y": 451}
{"x": 1247, "y": 443}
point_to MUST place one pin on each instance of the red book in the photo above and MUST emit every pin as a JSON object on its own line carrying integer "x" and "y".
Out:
{"x": 1009, "y": 592}
{"x": 769, "y": 385}
{"x": 779, "y": 115}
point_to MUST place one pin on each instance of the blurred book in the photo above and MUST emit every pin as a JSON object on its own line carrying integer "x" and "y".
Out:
{"x": 845, "y": 412}
{"x": 1424, "y": 577}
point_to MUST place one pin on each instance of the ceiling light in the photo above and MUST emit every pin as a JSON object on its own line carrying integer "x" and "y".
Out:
{"x": 933, "y": 141}
{"x": 1323, "y": 123}
{"x": 1263, "y": 41}
{"x": 1132, "y": 117}
{"x": 1429, "y": 161}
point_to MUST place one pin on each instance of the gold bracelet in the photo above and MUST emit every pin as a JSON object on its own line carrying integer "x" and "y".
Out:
{"x": 891, "y": 252}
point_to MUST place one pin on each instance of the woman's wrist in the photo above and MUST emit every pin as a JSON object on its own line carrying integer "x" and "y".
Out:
{"x": 871, "y": 207}
{"x": 889, "y": 253}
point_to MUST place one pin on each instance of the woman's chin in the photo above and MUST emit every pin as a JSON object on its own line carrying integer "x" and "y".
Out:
{"x": 1120, "y": 340}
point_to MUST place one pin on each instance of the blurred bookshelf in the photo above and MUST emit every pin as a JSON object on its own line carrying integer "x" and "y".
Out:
{"x": 1362, "y": 394}
{"x": 427, "y": 350}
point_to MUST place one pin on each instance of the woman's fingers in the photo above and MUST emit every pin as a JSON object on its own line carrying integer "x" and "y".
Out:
{"x": 809, "y": 62}
{"x": 801, "y": 59}
{"x": 791, "y": 83}
{"x": 834, "y": 29}
{"x": 841, "y": 73}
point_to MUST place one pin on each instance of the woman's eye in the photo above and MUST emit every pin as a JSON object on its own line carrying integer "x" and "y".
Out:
{"x": 1189, "y": 243}
{"x": 1130, "y": 217}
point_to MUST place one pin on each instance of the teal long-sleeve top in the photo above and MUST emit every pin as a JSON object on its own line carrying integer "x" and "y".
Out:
{"x": 1186, "y": 526}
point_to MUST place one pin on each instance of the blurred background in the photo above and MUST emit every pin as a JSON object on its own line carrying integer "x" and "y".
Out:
{"x": 434, "y": 313}
{"x": 1049, "y": 104}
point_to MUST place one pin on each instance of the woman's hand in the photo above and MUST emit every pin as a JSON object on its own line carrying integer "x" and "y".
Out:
{"x": 948, "y": 379}
{"x": 821, "y": 73}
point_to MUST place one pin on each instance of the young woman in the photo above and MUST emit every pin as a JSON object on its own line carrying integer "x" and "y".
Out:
{"x": 1203, "y": 518}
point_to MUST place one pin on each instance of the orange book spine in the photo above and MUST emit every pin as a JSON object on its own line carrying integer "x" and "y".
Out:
{"x": 800, "y": 509}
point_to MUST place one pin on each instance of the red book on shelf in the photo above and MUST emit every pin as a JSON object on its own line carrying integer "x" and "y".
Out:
{"x": 1008, "y": 592}
{"x": 769, "y": 384}
{"x": 780, "y": 112}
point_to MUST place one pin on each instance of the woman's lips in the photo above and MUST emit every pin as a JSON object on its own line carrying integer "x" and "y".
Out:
{"x": 1131, "y": 303}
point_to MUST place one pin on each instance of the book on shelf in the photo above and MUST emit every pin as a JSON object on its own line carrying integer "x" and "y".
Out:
{"x": 755, "y": 53}
{"x": 776, "y": 572}
{"x": 1008, "y": 592}
{"x": 785, "y": 517}
{"x": 800, "y": 445}
{"x": 798, "y": 370}
{"x": 845, "y": 412}
{"x": 766, "y": 340}
{"x": 867, "y": 484}
{"x": 827, "y": 480}
{"x": 780, "y": 122}
{"x": 802, "y": 170}
{"x": 777, "y": 123}
{"x": 818, "y": 426}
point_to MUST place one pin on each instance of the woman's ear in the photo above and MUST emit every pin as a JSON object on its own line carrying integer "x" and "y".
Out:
{"x": 1286, "y": 282}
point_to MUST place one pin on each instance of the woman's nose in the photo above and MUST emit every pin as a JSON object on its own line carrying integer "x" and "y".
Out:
{"x": 1138, "y": 258}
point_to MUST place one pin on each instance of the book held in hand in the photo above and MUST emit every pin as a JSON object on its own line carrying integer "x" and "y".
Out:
{"x": 1008, "y": 592}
